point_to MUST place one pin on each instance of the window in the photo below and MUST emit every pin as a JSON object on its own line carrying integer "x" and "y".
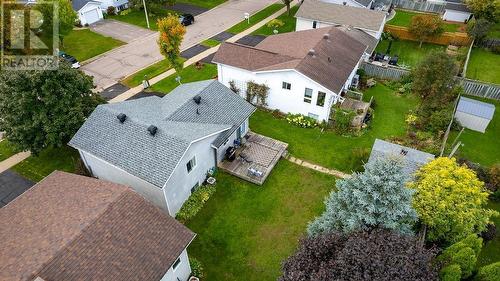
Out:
{"x": 308, "y": 94}
{"x": 286, "y": 86}
{"x": 315, "y": 24}
{"x": 312, "y": 115}
{"x": 321, "y": 99}
{"x": 176, "y": 263}
{"x": 191, "y": 164}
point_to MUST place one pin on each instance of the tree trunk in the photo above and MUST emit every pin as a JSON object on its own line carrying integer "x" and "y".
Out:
{"x": 288, "y": 8}
{"x": 421, "y": 41}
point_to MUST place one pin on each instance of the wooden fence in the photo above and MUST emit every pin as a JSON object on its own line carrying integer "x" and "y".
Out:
{"x": 447, "y": 38}
{"x": 471, "y": 87}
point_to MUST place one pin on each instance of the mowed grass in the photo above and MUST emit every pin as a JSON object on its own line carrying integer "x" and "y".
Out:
{"x": 491, "y": 249}
{"x": 7, "y": 149}
{"x": 289, "y": 23}
{"x": 255, "y": 18}
{"x": 188, "y": 74}
{"x": 210, "y": 43}
{"x": 84, "y": 44}
{"x": 137, "y": 17}
{"x": 484, "y": 65}
{"x": 478, "y": 147}
{"x": 403, "y": 18}
{"x": 409, "y": 52}
{"x": 38, "y": 167}
{"x": 148, "y": 72}
{"x": 209, "y": 4}
{"x": 334, "y": 151}
{"x": 245, "y": 231}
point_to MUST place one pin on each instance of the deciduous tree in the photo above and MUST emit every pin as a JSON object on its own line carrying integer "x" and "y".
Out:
{"x": 66, "y": 16}
{"x": 488, "y": 9}
{"x": 425, "y": 26}
{"x": 171, "y": 35}
{"x": 377, "y": 254}
{"x": 376, "y": 197}
{"x": 478, "y": 29}
{"x": 288, "y": 4}
{"x": 450, "y": 201}
{"x": 40, "y": 109}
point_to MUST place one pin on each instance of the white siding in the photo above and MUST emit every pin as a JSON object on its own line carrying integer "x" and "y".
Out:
{"x": 452, "y": 15}
{"x": 115, "y": 3}
{"x": 182, "y": 271}
{"x": 221, "y": 151}
{"x": 85, "y": 11}
{"x": 284, "y": 100}
{"x": 472, "y": 122}
{"x": 103, "y": 170}
{"x": 178, "y": 187}
{"x": 305, "y": 24}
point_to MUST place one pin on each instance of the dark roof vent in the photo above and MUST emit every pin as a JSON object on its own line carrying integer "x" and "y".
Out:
{"x": 326, "y": 36}
{"x": 404, "y": 152}
{"x": 122, "y": 117}
{"x": 329, "y": 59}
{"x": 197, "y": 99}
{"x": 152, "y": 130}
{"x": 311, "y": 52}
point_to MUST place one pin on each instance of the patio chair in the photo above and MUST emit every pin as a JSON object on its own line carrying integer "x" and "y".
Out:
{"x": 245, "y": 158}
{"x": 254, "y": 172}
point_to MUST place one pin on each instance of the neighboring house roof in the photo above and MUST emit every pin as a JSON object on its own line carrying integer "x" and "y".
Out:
{"x": 341, "y": 14}
{"x": 476, "y": 108}
{"x": 180, "y": 122}
{"x": 457, "y": 6}
{"x": 362, "y": 37}
{"x": 78, "y": 4}
{"x": 70, "y": 227}
{"x": 336, "y": 54}
{"x": 413, "y": 158}
{"x": 364, "y": 3}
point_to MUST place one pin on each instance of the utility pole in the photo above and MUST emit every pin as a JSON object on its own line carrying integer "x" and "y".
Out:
{"x": 146, "y": 12}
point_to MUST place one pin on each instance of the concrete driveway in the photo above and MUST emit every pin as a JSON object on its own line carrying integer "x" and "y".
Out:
{"x": 121, "y": 62}
{"x": 119, "y": 30}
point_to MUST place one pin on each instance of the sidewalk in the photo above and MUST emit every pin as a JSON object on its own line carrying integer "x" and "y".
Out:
{"x": 133, "y": 91}
{"x": 13, "y": 160}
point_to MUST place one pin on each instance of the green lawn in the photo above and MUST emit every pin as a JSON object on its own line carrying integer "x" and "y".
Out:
{"x": 408, "y": 51}
{"x": 255, "y": 18}
{"x": 478, "y": 147}
{"x": 289, "y": 20}
{"x": 36, "y": 168}
{"x": 7, "y": 149}
{"x": 148, "y": 72}
{"x": 137, "y": 17}
{"x": 245, "y": 231}
{"x": 84, "y": 44}
{"x": 494, "y": 31}
{"x": 188, "y": 74}
{"x": 210, "y": 43}
{"x": 209, "y": 4}
{"x": 334, "y": 151}
{"x": 403, "y": 18}
{"x": 484, "y": 65}
{"x": 491, "y": 249}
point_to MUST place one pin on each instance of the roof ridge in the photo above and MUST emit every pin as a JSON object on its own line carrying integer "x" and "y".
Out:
{"x": 253, "y": 48}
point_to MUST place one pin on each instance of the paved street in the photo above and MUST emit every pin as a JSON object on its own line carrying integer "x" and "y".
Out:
{"x": 123, "y": 61}
{"x": 119, "y": 30}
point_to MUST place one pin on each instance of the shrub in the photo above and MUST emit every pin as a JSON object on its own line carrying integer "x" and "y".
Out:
{"x": 494, "y": 182}
{"x": 196, "y": 268}
{"x": 343, "y": 120}
{"x": 464, "y": 254}
{"x": 275, "y": 24}
{"x": 125, "y": 12}
{"x": 450, "y": 273}
{"x": 195, "y": 202}
{"x": 490, "y": 232}
{"x": 439, "y": 120}
{"x": 359, "y": 156}
{"x": 489, "y": 272}
{"x": 301, "y": 120}
{"x": 111, "y": 11}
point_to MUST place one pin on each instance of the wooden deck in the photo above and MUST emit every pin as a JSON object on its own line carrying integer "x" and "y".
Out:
{"x": 261, "y": 154}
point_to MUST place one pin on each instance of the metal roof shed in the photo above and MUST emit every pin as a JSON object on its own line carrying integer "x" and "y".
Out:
{"x": 474, "y": 114}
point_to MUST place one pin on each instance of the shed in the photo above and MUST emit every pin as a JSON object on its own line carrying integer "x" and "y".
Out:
{"x": 413, "y": 158}
{"x": 473, "y": 114}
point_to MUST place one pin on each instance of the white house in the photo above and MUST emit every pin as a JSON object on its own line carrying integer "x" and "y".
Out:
{"x": 163, "y": 147}
{"x": 473, "y": 114}
{"x": 89, "y": 11}
{"x": 118, "y": 4}
{"x": 317, "y": 14}
{"x": 70, "y": 227}
{"x": 306, "y": 71}
{"x": 367, "y": 4}
{"x": 456, "y": 10}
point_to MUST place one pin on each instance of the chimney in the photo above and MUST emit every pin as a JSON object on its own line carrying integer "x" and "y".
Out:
{"x": 197, "y": 99}
{"x": 152, "y": 130}
{"x": 312, "y": 53}
{"x": 122, "y": 117}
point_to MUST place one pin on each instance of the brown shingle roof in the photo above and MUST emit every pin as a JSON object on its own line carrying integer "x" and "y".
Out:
{"x": 341, "y": 14}
{"x": 69, "y": 227}
{"x": 335, "y": 57}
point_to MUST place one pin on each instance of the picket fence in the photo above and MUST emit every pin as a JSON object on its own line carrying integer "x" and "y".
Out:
{"x": 471, "y": 87}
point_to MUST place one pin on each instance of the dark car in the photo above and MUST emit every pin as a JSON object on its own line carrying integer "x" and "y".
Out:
{"x": 186, "y": 19}
{"x": 70, "y": 59}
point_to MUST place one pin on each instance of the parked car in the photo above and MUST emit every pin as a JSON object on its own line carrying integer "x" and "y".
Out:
{"x": 186, "y": 19}
{"x": 70, "y": 59}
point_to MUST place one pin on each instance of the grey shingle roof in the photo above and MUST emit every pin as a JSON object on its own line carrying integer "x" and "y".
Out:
{"x": 475, "y": 107}
{"x": 78, "y": 4}
{"x": 457, "y": 7}
{"x": 413, "y": 158}
{"x": 340, "y": 14}
{"x": 129, "y": 145}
